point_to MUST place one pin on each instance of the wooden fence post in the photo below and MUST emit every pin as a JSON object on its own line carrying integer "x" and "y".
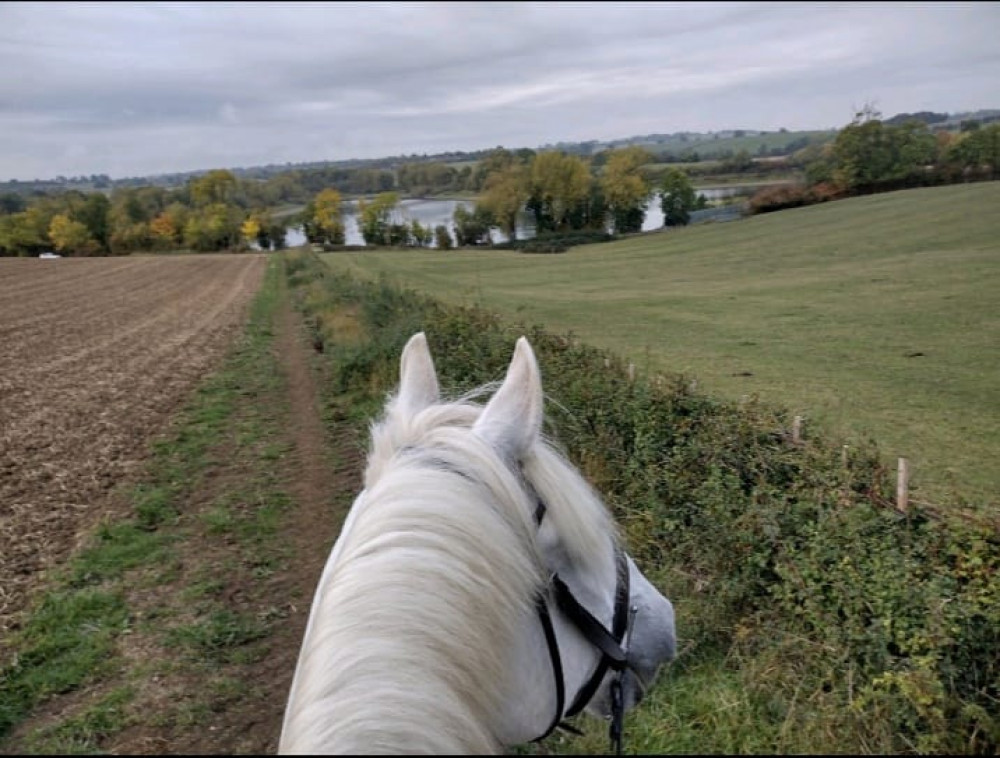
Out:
{"x": 797, "y": 430}
{"x": 903, "y": 485}
{"x": 631, "y": 371}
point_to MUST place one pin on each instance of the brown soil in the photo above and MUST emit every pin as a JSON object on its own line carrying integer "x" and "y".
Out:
{"x": 236, "y": 707}
{"x": 98, "y": 354}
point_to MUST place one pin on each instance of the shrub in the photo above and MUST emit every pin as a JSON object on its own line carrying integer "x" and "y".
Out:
{"x": 778, "y": 198}
{"x": 535, "y": 246}
{"x": 556, "y": 242}
{"x": 793, "y": 196}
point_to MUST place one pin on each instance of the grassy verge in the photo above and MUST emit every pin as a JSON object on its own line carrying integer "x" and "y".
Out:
{"x": 872, "y": 317}
{"x": 157, "y": 578}
{"x": 812, "y": 618}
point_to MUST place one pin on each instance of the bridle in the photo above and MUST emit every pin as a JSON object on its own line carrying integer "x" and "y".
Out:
{"x": 612, "y": 644}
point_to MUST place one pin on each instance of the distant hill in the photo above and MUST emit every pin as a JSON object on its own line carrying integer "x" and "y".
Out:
{"x": 927, "y": 117}
{"x": 955, "y": 120}
{"x": 676, "y": 146}
{"x": 723, "y": 144}
{"x": 945, "y": 120}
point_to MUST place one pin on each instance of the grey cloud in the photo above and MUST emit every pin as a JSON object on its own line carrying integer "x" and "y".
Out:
{"x": 128, "y": 89}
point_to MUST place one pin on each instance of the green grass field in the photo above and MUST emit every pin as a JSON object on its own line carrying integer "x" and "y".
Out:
{"x": 874, "y": 317}
{"x": 750, "y": 143}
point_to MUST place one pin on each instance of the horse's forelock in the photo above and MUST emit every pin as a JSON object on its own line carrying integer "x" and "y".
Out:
{"x": 396, "y": 431}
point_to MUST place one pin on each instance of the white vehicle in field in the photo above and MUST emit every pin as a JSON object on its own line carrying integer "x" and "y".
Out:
{"x": 50, "y": 255}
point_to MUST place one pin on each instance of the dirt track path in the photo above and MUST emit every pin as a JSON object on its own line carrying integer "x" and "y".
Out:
{"x": 322, "y": 476}
{"x": 317, "y": 473}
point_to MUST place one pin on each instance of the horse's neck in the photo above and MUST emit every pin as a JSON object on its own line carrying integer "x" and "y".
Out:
{"x": 375, "y": 688}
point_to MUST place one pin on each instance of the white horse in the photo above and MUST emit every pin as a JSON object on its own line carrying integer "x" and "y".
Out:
{"x": 477, "y": 593}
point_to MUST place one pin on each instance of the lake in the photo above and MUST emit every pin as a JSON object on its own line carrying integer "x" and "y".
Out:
{"x": 431, "y": 212}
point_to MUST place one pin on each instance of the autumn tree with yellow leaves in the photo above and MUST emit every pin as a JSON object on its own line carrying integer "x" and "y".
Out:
{"x": 504, "y": 196}
{"x": 71, "y": 237}
{"x": 322, "y": 219}
{"x": 560, "y": 184}
{"x": 626, "y": 190}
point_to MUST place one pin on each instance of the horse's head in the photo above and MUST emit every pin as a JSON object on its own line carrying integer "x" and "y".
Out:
{"x": 499, "y": 542}
{"x": 609, "y": 627}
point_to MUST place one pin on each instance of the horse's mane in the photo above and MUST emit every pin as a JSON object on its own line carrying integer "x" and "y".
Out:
{"x": 435, "y": 572}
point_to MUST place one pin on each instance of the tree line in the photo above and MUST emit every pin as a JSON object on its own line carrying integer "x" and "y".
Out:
{"x": 873, "y": 155}
{"x": 564, "y": 193}
{"x": 212, "y": 212}
{"x": 218, "y": 211}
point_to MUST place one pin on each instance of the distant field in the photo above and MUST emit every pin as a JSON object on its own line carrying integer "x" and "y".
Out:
{"x": 750, "y": 143}
{"x": 712, "y": 179}
{"x": 873, "y": 317}
{"x": 289, "y": 209}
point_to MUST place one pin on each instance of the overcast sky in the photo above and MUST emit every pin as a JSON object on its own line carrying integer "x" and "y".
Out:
{"x": 131, "y": 89}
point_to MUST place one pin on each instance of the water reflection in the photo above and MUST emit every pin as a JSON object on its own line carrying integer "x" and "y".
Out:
{"x": 432, "y": 212}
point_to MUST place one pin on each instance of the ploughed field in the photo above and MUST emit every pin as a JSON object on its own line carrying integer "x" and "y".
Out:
{"x": 95, "y": 356}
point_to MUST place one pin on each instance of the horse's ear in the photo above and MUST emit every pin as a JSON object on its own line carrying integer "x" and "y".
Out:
{"x": 418, "y": 384}
{"x": 512, "y": 419}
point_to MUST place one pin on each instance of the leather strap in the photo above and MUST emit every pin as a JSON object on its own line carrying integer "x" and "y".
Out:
{"x": 609, "y": 644}
{"x": 557, "y": 671}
